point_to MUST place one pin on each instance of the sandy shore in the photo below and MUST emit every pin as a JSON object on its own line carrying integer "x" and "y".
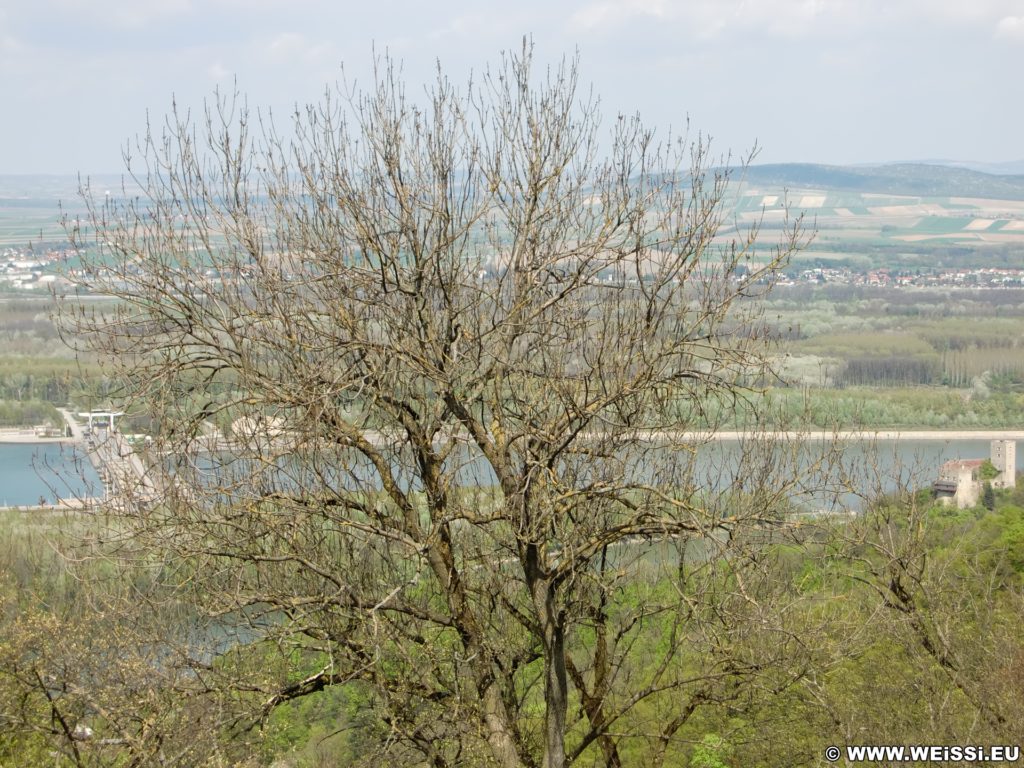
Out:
{"x": 818, "y": 435}
{"x": 31, "y": 439}
{"x": 63, "y": 505}
{"x": 936, "y": 435}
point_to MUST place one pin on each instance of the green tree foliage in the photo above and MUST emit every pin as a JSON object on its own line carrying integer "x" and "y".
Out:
{"x": 941, "y": 620}
{"x": 28, "y": 413}
{"x": 712, "y": 752}
{"x": 988, "y": 497}
{"x": 905, "y": 407}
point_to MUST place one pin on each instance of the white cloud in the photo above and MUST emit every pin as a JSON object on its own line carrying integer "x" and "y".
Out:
{"x": 218, "y": 72}
{"x": 790, "y": 18}
{"x": 287, "y": 45}
{"x": 263, "y": 6}
{"x": 666, "y": 58}
{"x": 295, "y": 49}
{"x": 1011, "y": 28}
{"x": 132, "y": 14}
{"x": 477, "y": 25}
{"x": 611, "y": 12}
{"x": 711, "y": 18}
{"x": 956, "y": 13}
{"x": 795, "y": 18}
{"x": 10, "y": 45}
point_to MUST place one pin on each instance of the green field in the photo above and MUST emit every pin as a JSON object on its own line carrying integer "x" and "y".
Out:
{"x": 29, "y": 223}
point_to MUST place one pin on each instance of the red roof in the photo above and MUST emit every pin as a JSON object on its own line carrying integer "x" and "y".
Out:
{"x": 963, "y": 464}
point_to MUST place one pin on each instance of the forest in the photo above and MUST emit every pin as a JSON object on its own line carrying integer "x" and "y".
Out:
{"x": 917, "y": 633}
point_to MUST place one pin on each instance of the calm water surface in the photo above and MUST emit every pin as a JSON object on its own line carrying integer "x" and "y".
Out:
{"x": 49, "y": 471}
{"x": 29, "y": 472}
{"x": 869, "y": 468}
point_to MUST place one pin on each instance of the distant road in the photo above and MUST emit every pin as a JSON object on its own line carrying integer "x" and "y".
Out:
{"x": 78, "y": 434}
{"x": 4, "y": 297}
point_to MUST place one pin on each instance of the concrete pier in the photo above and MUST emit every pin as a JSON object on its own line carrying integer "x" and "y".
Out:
{"x": 120, "y": 469}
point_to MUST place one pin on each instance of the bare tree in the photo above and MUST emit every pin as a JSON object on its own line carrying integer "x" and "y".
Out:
{"x": 435, "y": 382}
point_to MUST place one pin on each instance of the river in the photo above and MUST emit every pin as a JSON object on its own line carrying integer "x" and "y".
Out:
{"x": 30, "y": 472}
{"x": 867, "y": 466}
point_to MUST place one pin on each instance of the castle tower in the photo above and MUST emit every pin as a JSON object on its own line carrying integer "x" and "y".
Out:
{"x": 1004, "y": 458}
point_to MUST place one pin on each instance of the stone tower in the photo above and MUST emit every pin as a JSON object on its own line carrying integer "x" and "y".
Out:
{"x": 1004, "y": 458}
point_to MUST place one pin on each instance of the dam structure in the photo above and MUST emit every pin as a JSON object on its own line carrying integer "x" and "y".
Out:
{"x": 121, "y": 470}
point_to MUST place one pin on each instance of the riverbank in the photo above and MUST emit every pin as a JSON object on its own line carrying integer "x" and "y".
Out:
{"x": 927, "y": 435}
{"x": 284, "y": 440}
{"x": 62, "y": 505}
{"x": 29, "y": 436}
{"x": 808, "y": 435}
{"x": 19, "y": 437}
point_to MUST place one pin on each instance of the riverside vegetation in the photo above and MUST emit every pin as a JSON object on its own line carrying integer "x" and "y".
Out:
{"x": 875, "y": 358}
{"x": 914, "y": 639}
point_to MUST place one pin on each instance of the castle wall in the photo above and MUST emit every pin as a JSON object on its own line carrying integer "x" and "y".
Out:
{"x": 962, "y": 480}
{"x": 1004, "y": 458}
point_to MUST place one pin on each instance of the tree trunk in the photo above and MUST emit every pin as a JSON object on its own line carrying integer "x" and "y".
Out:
{"x": 556, "y": 692}
{"x": 556, "y": 686}
{"x": 501, "y": 741}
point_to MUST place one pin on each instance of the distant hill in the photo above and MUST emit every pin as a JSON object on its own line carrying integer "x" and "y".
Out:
{"x": 35, "y": 188}
{"x": 916, "y": 179}
{"x": 921, "y": 179}
{"x": 1011, "y": 168}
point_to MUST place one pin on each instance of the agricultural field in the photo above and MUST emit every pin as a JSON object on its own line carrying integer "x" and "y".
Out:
{"x": 31, "y": 207}
{"x": 879, "y": 355}
{"x": 895, "y": 217}
{"x": 890, "y": 220}
{"x": 26, "y": 221}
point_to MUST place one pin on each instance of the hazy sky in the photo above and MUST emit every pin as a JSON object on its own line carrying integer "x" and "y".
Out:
{"x": 838, "y": 81}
